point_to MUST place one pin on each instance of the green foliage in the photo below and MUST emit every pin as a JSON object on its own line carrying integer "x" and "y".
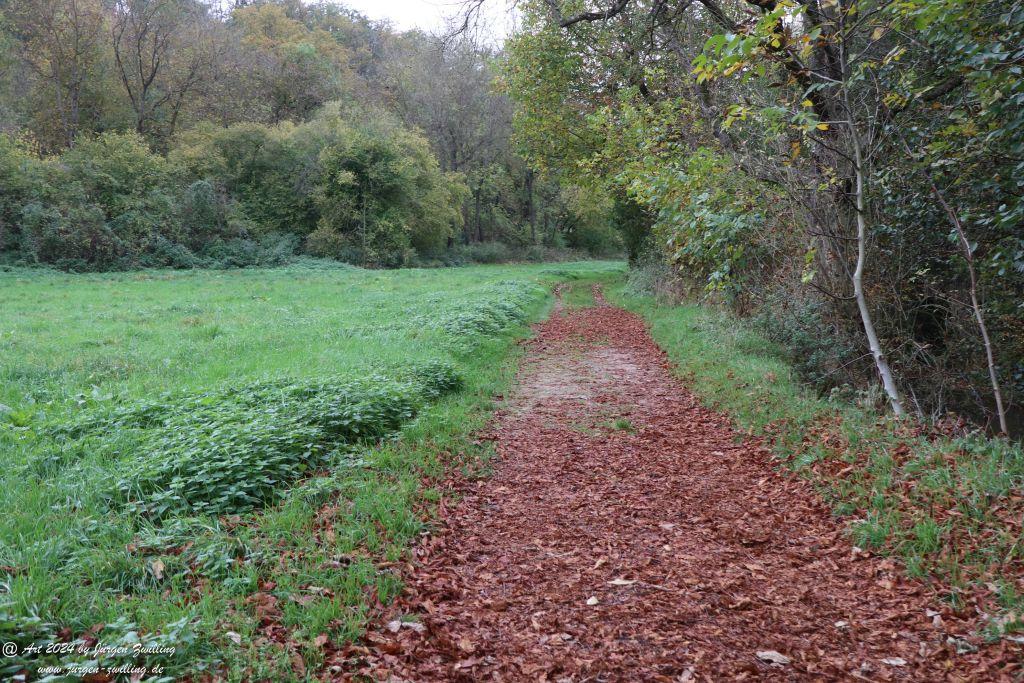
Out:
{"x": 268, "y": 171}
{"x": 227, "y": 451}
{"x": 745, "y": 137}
{"x": 249, "y": 194}
{"x": 814, "y": 348}
{"x": 382, "y": 192}
{"x": 495, "y": 310}
{"x": 486, "y": 252}
{"x": 436, "y": 378}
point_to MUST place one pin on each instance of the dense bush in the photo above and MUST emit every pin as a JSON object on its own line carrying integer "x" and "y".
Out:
{"x": 367, "y": 192}
{"x": 869, "y": 170}
{"x": 381, "y": 194}
{"x": 817, "y": 350}
{"x": 485, "y": 252}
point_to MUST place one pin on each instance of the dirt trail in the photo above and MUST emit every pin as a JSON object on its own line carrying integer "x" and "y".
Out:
{"x": 626, "y": 535}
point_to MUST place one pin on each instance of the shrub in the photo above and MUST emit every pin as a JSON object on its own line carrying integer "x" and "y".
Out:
{"x": 380, "y": 190}
{"x": 72, "y": 237}
{"x": 165, "y": 253}
{"x": 486, "y": 252}
{"x": 129, "y": 183}
{"x": 19, "y": 184}
{"x": 819, "y": 351}
{"x": 436, "y": 379}
{"x": 274, "y": 249}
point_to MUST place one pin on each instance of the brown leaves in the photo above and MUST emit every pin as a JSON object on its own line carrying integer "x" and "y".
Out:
{"x": 658, "y": 554}
{"x": 264, "y": 606}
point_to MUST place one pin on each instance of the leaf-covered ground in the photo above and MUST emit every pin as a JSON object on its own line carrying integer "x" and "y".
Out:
{"x": 629, "y": 533}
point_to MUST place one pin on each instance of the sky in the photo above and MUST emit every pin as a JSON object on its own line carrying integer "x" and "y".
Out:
{"x": 431, "y": 15}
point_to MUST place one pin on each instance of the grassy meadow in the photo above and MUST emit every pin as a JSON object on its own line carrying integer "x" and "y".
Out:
{"x": 227, "y": 464}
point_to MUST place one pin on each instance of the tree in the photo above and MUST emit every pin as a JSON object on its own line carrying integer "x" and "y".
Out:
{"x": 160, "y": 53}
{"x": 297, "y": 69}
{"x": 61, "y": 41}
{"x": 799, "y": 105}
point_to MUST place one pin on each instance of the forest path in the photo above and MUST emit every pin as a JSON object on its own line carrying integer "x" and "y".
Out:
{"x": 628, "y": 534}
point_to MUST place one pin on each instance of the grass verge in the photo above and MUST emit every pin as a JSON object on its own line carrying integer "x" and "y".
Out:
{"x": 222, "y": 468}
{"x": 950, "y": 508}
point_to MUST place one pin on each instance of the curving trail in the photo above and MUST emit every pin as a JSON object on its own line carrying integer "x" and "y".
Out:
{"x": 628, "y": 534}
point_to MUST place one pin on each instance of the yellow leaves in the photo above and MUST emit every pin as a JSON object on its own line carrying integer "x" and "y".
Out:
{"x": 894, "y": 100}
{"x": 735, "y": 113}
{"x": 822, "y": 126}
{"x": 794, "y": 150}
{"x": 807, "y": 103}
{"x": 734, "y": 68}
{"x": 878, "y": 33}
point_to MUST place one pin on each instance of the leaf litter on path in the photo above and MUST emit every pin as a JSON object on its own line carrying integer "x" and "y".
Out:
{"x": 668, "y": 552}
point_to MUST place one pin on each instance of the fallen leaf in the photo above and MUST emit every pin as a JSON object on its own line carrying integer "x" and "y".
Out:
{"x": 234, "y": 637}
{"x": 894, "y": 661}
{"x": 397, "y": 625}
{"x": 773, "y": 657}
{"x": 592, "y": 601}
{"x": 157, "y": 567}
{"x": 298, "y": 665}
{"x": 622, "y": 582}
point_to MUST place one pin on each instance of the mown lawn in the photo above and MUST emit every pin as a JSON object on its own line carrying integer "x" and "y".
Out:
{"x": 225, "y": 464}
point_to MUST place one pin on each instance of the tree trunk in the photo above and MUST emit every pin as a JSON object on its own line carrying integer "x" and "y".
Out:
{"x": 858, "y": 282}
{"x": 479, "y": 225}
{"x": 531, "y": 212}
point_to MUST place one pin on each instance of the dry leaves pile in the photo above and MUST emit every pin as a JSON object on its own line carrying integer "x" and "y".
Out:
{"x": 668, "y": 551}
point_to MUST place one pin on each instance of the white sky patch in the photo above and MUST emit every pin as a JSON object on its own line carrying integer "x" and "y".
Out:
{"x": 435, "y": 16}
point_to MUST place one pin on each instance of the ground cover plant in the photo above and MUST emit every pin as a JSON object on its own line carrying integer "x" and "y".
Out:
{"x": 946, "y": 500}
{"x": 222, "y": 465}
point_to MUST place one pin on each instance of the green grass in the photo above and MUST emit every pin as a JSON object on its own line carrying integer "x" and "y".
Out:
{"x": 950, "y": 509}
{"x": 184, "y": 452}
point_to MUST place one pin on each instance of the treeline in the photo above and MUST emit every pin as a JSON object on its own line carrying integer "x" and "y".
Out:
{"x": 848, "y": 173}
{"x": 171, "y": 133}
